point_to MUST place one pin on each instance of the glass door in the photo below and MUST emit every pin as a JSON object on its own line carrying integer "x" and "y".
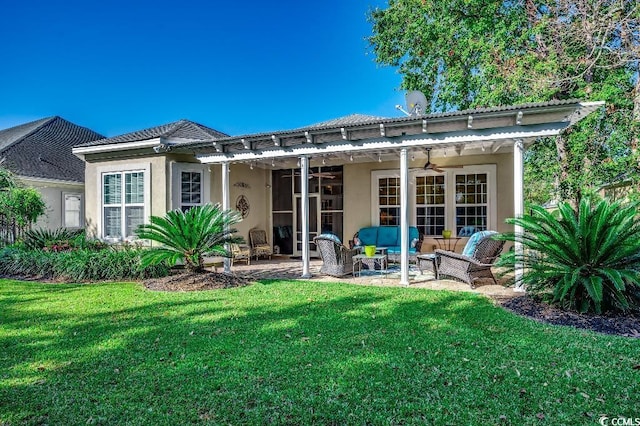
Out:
{"x": 314, "y": 224}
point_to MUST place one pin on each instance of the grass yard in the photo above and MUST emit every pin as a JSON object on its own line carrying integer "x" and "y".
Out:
{"x": 298, "y": 353}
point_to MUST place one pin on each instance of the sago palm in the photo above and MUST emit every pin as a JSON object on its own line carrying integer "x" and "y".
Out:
{"x": 190, "y": 236}
{"x": 586, "y": 259}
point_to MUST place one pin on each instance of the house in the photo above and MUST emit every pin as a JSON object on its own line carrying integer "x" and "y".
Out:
{"x": 359, "y": 171}
{"x": 39, "y": 154}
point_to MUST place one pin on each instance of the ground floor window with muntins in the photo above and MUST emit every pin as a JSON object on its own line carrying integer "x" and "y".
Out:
{"x": 123, "y": 203}
{"x": 458, "y": 199}
{"x": 389, "y": 200}
{"x": 191, "y": 190}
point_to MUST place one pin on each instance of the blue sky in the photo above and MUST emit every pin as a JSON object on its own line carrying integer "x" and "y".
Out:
{"x": 240, "y": 67}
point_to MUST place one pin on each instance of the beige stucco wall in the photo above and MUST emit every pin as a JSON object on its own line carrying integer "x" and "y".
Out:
{"x": 93, "y": 171}
{"x": 258, "y": 194}
{"x": 52, "y": 194}
{"x": 357, "y": 190}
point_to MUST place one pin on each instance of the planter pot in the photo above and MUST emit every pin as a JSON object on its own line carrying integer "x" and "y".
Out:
{"x": 369, "y": 250}
{"x": 446, "y": 233}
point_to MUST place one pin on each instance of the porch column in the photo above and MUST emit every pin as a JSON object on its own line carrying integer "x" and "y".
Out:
{"x": 404, "y": 217}
{"x": 304, "y": 210}
{"x": 226, "y": 205}
{"x": 518, "y": 206}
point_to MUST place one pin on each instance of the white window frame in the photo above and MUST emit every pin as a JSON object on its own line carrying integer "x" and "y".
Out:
{"x": 414, "y": 196}
{"x": 376, "y": 175}
{"x": 176, "y": 183}
{"x": 145, "y": 169}
{"x": 80, "y": 196}
{"x": 450, "y": 205}
{"x": 468, "y": 171}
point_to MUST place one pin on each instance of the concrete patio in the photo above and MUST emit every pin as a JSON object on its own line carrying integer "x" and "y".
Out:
{"x": 282, "y": 267}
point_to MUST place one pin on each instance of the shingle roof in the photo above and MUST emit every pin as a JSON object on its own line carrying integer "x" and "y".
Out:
{"x": 42, "y": 149}
{"x": 182, "y": 129}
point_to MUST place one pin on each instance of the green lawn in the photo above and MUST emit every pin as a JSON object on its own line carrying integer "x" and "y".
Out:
{"x": 298, "y": 353}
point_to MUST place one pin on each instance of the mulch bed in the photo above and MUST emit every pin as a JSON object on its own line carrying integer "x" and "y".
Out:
{"x": 619, "y": 324}
{"x": 194, "y": 282}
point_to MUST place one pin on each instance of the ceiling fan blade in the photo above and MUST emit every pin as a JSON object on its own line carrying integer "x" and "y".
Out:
{"x": 454, "y": 166}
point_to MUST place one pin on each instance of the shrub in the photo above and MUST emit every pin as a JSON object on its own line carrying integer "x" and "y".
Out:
{"x": 189, "y": 236}
{"x": 78, "y": 265}
{"x": 55, "y": 240}
{"x": 586, "y": 259}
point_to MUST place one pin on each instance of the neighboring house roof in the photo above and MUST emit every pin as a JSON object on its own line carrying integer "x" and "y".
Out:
{"x": 42, "y": 149}
{"x": 184, "y": 130}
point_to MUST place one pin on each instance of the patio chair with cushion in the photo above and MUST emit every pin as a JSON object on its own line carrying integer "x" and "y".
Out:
{"x": 337, "y": 260}
{"x": 474, "y": 262}
{"x": 240, "y": 252}
{"x": 259, "y": 244}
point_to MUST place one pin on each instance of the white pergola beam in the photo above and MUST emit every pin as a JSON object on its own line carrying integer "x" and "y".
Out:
{"x": 380, "y": 144}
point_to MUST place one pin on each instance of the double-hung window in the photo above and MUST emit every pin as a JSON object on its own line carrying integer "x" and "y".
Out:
{"x": 471, "y": 202}
{"x": 389, "y": 200}
{"x": 431, "y": 204}
{"x": 461, "y": 199}
{"x": 191, "y": 189}
{"x": 123, "y": 203}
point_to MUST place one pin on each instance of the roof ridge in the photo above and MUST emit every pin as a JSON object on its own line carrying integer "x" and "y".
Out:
{"x": 45, "y": 121}
{"x": 175, "y": 126}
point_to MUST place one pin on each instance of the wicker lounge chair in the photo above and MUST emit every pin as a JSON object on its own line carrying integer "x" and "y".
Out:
{"x": 475, "y": 261}
{"x": 240, "y": 252}
{"x": 337, "y": 260}
{"x": 259, "y": 244}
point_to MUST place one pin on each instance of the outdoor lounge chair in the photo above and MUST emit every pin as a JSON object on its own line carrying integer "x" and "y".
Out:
{"x": 259, "y": 244}
{"x": 240, "y": 252}
{"x": 475, "y": 261}
{"x": 337, "y": 260}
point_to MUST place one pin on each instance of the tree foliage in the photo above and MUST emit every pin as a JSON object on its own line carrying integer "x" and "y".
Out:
{"x": 473, "y": 53}
{"x": 188, "y": 237}
{"x": 20, "y": 207}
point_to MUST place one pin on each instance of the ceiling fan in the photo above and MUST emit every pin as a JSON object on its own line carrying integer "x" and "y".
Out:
{"x": 432, "y": 166}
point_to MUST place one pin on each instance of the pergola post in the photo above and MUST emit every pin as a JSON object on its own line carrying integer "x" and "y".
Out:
{"x": 404, "y": 217}
{"x": 518, "y": 207}
{"x": 304, "y": 185}
{"x": 226, "y": 205}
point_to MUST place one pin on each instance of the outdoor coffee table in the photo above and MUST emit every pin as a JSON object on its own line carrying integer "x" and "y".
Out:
{"x": 379, "y": 260}
{"x": 429, "y": 261}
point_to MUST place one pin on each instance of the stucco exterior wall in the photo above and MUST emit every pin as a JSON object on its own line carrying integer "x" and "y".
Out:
{"x": 157, "y": 204}
{"x": 258, "y": 194}
{"x": 53, "y": 196}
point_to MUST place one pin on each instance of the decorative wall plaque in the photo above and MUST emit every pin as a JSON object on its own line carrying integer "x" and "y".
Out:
{"x": 242, "y": 205}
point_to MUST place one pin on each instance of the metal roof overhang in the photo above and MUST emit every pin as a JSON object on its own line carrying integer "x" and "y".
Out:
{"x": 467, "y": 132}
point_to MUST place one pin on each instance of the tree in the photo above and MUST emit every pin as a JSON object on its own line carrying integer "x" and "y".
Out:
{"x": 20, "y": 207}
{"x": 188, "y": 237}
{"x": 471, "y": 53}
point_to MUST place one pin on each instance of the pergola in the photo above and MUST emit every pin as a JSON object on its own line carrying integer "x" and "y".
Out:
{"x": 365, "y": 139}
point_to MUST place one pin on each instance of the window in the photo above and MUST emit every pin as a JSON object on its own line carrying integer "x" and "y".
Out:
{"x": 430, "y": 204}
{"x": 191, "y": 192}
{"x": 461, "y": 199}
{"x": 123, "y": 203}
{"x": 72, "y": 210}
{"x": 389, "y": 200}
{"x": 471, "y": 202}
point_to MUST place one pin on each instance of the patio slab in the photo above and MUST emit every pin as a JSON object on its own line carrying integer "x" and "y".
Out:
{"x": 287, "y": 268}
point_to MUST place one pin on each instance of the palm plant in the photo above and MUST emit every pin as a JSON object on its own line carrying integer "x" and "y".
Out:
{"x": 586, "y": 259}
{"x": 189, "y": 236}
